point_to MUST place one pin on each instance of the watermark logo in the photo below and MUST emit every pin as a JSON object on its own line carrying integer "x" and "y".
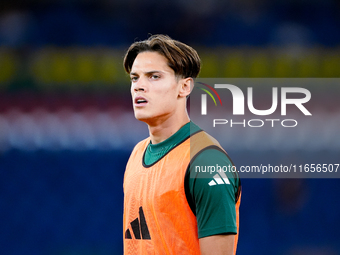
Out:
{"x": 295, "y": 96}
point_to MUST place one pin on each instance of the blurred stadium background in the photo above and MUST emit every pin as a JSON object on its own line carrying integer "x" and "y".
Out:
{"x": 67, "y": 127}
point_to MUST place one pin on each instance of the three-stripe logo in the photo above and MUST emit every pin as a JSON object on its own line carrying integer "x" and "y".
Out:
{"x": 139, "y": 228}
{"x": 219, "y": 180}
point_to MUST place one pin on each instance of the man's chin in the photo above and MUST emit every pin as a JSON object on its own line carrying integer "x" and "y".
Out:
{"x": 149, "y": 120}
{"x": 141, "y": 117}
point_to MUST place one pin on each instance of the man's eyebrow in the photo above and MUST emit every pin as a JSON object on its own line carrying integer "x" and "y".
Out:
{"x": 154, "y": 71}
{"x": 149, "y": 72}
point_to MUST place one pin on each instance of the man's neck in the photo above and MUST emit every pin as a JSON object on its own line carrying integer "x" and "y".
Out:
{"x": 163, "y": 130}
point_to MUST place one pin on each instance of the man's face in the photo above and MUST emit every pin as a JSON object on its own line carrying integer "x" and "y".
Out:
{"x": 154, "y": 88}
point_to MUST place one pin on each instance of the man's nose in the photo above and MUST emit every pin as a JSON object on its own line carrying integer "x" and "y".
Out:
{"x": 140, "y": 85}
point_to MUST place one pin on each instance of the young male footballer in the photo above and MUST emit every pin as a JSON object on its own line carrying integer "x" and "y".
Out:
{"x": 169, "y": 206}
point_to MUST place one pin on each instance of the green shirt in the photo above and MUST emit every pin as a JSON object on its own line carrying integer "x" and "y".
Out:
{"x": 213, "y": 201}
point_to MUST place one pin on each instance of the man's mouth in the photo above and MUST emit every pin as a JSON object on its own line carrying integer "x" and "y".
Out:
{"x": 140, "y": 101}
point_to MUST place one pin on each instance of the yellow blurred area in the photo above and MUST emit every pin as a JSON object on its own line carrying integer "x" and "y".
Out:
{"x": 78, "y": 68}
{"x": 8, "y": 65}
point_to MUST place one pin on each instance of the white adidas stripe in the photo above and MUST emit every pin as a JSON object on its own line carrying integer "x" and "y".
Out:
{"x": 218, "y": 179}
{"x": 212, "y": 183}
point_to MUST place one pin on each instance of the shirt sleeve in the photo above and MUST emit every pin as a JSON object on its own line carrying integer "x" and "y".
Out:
{"x": 214, "y": 193}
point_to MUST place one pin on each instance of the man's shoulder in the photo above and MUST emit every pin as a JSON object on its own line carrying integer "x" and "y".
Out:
{"x": 202, "y": 141}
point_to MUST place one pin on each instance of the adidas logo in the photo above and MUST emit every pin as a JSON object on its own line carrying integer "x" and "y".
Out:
{"x": 139, "y": 228}
{"x": 219, "y": 180}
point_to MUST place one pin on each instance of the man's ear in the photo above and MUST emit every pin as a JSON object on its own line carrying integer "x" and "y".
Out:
{"x": 187, "y": 85}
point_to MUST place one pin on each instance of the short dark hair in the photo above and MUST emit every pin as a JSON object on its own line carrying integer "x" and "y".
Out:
{"x": 182, "y": 58}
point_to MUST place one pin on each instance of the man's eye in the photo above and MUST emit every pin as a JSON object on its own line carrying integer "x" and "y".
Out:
{"x": 155, "y": 76}
{"x": 134, "y": 78}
